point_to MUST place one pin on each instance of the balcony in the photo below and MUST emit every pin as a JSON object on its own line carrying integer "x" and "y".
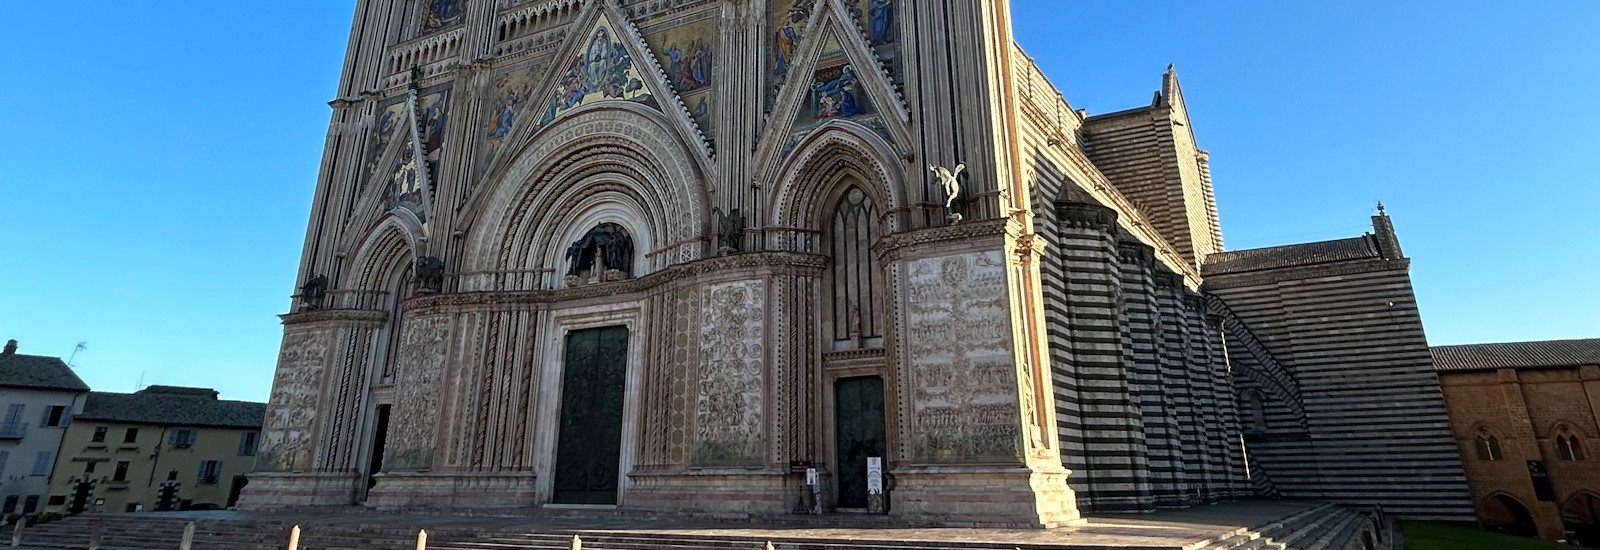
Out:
{"x": 13, "y": 430}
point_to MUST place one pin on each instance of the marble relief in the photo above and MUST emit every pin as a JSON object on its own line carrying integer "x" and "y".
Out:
{"x": 287, "y": 433}
{"x": 728, "y": 405}
{"x": 420, "y": 370}
{"x": 963, "y": 380}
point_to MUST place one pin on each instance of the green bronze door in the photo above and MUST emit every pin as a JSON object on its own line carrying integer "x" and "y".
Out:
{"x": 858, "y": 434}
{"x": 589, "y": 443}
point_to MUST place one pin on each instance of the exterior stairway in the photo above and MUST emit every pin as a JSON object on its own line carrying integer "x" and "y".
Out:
{"x": 1319, "y": 527}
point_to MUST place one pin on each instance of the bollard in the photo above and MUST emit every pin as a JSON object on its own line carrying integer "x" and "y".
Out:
{"x": 577, "y": 543}
{"x": 188, "y": 536}
{"x": 422, "y": 539}
{"x": 294, "y": 538}
{"x": 96, "y": 536}
{"x": 16, "y": 535}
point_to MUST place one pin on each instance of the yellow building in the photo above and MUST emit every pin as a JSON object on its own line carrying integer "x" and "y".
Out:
{"x": 160, "y": 448}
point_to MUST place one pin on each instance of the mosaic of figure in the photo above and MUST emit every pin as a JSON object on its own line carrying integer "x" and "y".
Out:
{"x": 442, "y": 13}
{"x": 603, "y": 70}
{"x": 786, "y": 33}
{"x": 837, "y": 97}
{"x": 510, "y": 92}
{"x": 880, "y": 14}
{"x": 686, "y": 53}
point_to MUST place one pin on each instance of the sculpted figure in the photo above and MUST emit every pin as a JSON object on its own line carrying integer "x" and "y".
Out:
{"x": 312, "y": 293}
{"x": 430, "y": 274}
{"x": 952, "y": 187}
{"x": 730, "y": 227}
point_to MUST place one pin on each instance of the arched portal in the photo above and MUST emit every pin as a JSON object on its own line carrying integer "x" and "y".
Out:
{"x": 1580, "y": 517}
{"x": 1505, "y": 514}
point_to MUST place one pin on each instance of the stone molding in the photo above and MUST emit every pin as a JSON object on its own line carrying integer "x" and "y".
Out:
{"x": 336, "y": 316}
{"x": 893, "y": 247}
{"x": 1082, "y": 215}
{"x": 771, "y": 260}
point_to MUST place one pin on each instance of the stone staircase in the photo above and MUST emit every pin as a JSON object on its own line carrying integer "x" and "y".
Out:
{"x": 1320, "y": 527}
{"x": 1325, "y": 527}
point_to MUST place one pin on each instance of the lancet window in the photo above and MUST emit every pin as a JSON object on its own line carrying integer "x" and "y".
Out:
{"x": 1488, "y": 446}
{"x": 1568, "y": 446}
{"x": 852, "y": 278}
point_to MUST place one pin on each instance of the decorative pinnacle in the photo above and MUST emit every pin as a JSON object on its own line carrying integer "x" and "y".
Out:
{"x": 1380, "y": 209}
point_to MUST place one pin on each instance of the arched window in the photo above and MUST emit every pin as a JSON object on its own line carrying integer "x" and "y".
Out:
{"x": 1568, "y": 446}
{"x": 852, "y": 278}
{"x": 1256, "y": 409}
{"x": 1488, "y": 446}
{"x": 396, "y": 289}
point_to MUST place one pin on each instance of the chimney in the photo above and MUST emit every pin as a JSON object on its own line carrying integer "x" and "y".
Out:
{"x": 11, "y": 347}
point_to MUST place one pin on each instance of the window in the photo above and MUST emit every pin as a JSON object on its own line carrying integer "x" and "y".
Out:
{"x": 852, "y": 274}
{"x": 1568, "y": 446}
{"x": 131, "y": 436}
{"x": 1256, "y": 408}
{"x": 88, "y": 467}
{"x": 99, "y": 434}
{"x": 11, "y": 504}
{"x": 247, "y": 443}
{"x": 1488, "y": 447}
{"x": 31, "y": 504}
{"x": 12, "y": 427}
{"x": 122, "y": 471}
{"x": 42, "y": 463}
{"x": 4, "y": 456}
{"x": 58, "y": 500}
{"x": 55, "y": 415}
{"x": 210, "y": 471}
{"x": 183, "y": 439}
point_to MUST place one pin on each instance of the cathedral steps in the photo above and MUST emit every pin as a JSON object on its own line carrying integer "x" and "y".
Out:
{"x": 1310, "y": 526}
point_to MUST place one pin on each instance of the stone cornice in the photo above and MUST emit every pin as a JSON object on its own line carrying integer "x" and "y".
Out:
{"x": 693, "y": 270}
{"x": 887, "y": 247}
{"x": 337, "y": 316}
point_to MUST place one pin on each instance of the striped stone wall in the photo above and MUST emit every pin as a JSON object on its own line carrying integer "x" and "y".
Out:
{"x": 1348, "y": 337}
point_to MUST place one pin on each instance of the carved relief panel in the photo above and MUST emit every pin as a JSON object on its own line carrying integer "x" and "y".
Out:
{"x": 729, "y": 404}
{"x": 961, "y": 369}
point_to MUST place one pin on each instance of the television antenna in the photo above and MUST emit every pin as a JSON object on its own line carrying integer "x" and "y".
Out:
{"x": 81, "y": 347}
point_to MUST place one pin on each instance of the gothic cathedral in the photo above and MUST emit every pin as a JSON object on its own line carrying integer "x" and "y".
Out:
{"x": 787, "y": 256}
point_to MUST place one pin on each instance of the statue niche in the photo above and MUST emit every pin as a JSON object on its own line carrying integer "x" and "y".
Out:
{"x": 604, "y": 254}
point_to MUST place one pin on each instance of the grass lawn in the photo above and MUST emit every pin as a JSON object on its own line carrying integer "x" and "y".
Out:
{"x": 1423, "y": 535}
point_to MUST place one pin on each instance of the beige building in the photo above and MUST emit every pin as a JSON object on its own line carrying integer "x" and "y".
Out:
{"x": 160, "y": 448}
{"x": 1527, "y": 420}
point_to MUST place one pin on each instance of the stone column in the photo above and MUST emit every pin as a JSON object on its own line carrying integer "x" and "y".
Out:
{"x": 1117, "y": 475}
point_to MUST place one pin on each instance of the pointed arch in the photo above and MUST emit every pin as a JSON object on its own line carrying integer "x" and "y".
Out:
{"x": 396, "y": 238}
{"x": 837, "y": 152}
{"x": 611, "y": 162}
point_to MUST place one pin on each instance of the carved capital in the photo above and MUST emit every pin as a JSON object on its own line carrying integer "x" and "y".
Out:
{"x": 1088, "y": 216}
{"x": 1137, "y": 253}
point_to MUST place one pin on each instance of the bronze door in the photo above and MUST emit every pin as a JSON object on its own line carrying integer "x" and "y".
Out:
{"x": 858, "y": 434}
{"x": 589, "y": 443}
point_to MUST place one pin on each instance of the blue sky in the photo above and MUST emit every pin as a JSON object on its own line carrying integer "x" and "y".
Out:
{"x": 158, "y": 168}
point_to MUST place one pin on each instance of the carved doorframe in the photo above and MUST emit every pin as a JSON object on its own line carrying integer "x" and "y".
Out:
{"x": 836, "y": 366}
{"x": 546, "y": 420}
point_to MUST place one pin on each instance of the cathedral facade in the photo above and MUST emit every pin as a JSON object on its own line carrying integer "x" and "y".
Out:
{"x": 780, "y": 256}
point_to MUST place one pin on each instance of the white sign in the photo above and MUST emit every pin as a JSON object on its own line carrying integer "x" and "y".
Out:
{"x": 874, "y": 475}
{"x": 811, "y": 477}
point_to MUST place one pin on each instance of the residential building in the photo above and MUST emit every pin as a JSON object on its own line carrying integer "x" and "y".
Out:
{"x": 38, "y": 396}
{"x": 160, "y": 448}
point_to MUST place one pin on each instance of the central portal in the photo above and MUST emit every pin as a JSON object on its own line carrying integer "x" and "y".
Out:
{"x": 858, "y": 420}
{"x": 589, "y": 443}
